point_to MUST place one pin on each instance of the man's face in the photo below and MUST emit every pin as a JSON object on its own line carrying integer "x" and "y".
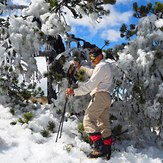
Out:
{"x": 95, "y": 60}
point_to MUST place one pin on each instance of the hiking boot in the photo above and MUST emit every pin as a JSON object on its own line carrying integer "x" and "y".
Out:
{"x": 98, "y": 149}
{"x": 102, "y": 148}
{"x": 106, "y": 151}
{"x": 107, "y": 147}
{"x": 95, "y": 154}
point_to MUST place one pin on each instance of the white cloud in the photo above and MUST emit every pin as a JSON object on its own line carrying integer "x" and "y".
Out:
{"x": 21, "y": 2}
{"x": 123, "y": 1}
{"x": 85, "y": 21}
{"x": 115, "y": 19}
{"x": 111, "y": 35}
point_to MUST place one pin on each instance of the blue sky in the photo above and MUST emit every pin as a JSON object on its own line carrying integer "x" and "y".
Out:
{"x": 108, "y": 29}
{"x": 121, "y": 13}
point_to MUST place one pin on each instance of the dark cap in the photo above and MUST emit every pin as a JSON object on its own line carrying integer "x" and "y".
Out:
{"x": 94, "y": 53}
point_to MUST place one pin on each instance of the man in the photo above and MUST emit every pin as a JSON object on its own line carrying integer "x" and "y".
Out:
{"x": 96, "y": 118}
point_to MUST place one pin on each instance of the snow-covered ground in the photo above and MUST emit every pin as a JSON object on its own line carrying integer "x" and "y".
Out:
{"x": 18, "y": 144}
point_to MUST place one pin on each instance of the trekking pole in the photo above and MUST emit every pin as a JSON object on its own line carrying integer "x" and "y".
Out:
{"x": 71, "y": 80}
{"x": 64, "y": 110}
{"x": 60, "y": 128}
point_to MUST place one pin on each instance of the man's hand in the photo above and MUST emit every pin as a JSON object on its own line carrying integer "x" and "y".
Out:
{"x": 76, "y": 64}
{"x": 69, "y": 91}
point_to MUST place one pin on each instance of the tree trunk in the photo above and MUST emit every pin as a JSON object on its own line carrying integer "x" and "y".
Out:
{"x": 57, "y": 46}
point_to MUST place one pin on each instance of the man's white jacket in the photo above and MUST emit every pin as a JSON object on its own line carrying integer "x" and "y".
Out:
{"x": 100, "y": 79}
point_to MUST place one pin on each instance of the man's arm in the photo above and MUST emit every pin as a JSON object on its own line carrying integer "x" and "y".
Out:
{"x": 87, "y": 87}
{"x": 88, "y": 71}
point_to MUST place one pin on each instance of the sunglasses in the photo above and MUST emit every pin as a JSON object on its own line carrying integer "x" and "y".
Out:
{"x": 92, "y": 57}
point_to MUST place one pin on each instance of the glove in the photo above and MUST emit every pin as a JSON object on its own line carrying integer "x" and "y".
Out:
{"x": 69, "y": 91}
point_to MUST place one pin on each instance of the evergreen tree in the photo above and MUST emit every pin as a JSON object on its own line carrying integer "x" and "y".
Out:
{"x": 140, "y": 12}
{"x": 139, "y": 79}
{"x": 23, "y": 36}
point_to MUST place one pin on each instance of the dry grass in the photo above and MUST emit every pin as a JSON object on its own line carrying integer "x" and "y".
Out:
{"x": 40, "y": 100}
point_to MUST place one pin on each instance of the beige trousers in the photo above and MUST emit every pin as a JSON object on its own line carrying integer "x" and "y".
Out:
{"x": 96, "y": 118}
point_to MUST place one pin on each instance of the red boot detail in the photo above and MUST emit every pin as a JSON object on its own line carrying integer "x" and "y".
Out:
{"x": 108, "y": 141}
{"x": 95, "y": 137}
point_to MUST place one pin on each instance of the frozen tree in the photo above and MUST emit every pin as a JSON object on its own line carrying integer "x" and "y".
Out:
{"x": 35, "y": 32}
{"x": 139, "y": 79}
